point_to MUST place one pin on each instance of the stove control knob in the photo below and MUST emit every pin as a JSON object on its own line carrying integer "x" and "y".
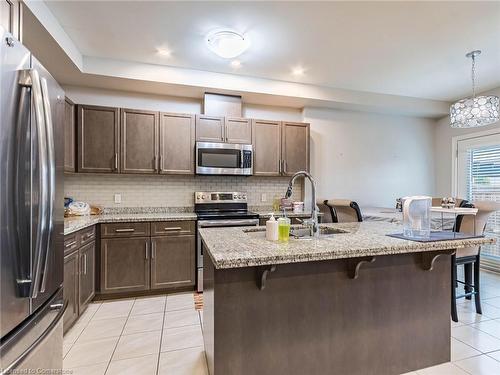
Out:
{"x": 198, "y": 196}
{"x": 203, "y": 196}
{"x": 244, "y": 196}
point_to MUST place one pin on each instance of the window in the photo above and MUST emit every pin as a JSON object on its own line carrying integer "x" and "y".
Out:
{"x": 478, "y": 172}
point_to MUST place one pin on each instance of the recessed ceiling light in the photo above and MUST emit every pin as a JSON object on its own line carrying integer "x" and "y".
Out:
{"x": 227, "y": 44}
{"x": 164, "y": 52}
{"x": 298, "y": 71}
{"x": 236, "y": 63}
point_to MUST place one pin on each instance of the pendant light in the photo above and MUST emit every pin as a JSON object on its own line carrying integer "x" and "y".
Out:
{"x": 476, "y": 110}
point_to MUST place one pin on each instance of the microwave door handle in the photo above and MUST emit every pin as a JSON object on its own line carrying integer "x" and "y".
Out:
{"x": 31, "y": 78}
{"x": 51, "y": 177}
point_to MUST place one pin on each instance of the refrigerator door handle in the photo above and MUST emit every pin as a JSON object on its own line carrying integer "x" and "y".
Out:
{"x": 31, "y": 78}
{"x": 51, "y": 176}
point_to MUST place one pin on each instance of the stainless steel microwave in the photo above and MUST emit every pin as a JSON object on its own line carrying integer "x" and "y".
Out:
{"x": 224, "y": 158}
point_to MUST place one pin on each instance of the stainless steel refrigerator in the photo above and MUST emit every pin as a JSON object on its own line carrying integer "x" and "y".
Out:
{"x": 31, "y": 212}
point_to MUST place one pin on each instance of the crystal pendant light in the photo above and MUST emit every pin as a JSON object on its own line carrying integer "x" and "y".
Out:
{"x": 476, "y": 110}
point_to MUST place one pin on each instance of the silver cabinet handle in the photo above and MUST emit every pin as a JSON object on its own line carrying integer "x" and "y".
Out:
{"x": 69, "y": 244}
{"x": 279, "y": 166}
{"x": 284, "y": 167}
{"x": 172, "y": 229}
{"x": 116, "y": 161}
{"x": 153, "y": 249}
{"x": 146, "y": 250}
{"x": 160, "y": 163}
{"x": 85, "y": 264}
{"x": 125, "y": 230}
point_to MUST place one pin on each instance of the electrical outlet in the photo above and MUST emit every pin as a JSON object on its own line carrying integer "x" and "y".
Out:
{"x": 263, "y": 197}
{"x": 118, "y": 198}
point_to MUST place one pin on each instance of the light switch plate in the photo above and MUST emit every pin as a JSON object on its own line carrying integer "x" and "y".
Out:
{"x": 263, "y": 197}
{"x": 118, "y": 198}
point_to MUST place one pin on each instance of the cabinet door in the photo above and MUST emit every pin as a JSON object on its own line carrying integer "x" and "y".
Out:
{"x": 238, "y": 130}
{"x": 139, "y": 134}
{"x": 266, "y": 147}
{"x": 70, "y": 289}
{"x": 209, "y": 128}
{"x": 177, "y": 138}
{"x": 294, "y": 147}
{"x": 124, "y": 265}
{"x": 98, "y": 129}
{"x": 69, "y": 136}
{"x": 87, "y": 275}
{"x": 172, "y": 261}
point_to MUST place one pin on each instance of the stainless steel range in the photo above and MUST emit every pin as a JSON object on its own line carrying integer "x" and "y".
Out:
{"x": 220, "y": 209}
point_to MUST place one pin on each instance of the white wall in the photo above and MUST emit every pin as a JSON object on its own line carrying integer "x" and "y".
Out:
{"x": 443, "y": 147}
{"x": 370, "y": 158}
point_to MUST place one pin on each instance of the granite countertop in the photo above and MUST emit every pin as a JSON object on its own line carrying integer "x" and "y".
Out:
{"x": 74, "y": 224}
{"x": 234, "y": 248}
{"x": 263, "y": 214}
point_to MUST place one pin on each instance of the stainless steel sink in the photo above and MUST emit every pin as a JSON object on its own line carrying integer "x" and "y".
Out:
{"x": 298, "y": 232}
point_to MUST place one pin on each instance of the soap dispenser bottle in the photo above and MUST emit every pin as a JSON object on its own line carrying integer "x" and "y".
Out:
{"x": 272, "y": 229}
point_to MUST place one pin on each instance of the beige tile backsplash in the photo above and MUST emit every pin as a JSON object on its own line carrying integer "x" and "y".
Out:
{"x": 169, "y": 191}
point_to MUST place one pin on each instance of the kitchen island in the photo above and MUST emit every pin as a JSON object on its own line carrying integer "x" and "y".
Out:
{"x": 353, "y": 302}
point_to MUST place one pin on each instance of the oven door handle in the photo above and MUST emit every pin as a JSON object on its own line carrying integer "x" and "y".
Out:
{"x": 228, "y": 223}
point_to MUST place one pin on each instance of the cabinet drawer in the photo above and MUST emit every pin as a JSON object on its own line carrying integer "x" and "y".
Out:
{"x": 172, "y": 228}
{"x": 87, "y": 235}
{"x": 71, "y": 242}
{"x": 125, "y": 230}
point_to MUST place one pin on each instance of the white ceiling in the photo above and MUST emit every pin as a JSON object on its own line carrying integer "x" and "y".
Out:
{"x": 413, "y": 49}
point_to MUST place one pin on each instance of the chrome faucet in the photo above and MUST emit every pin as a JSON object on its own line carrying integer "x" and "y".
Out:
{"x": 313, "y": 221}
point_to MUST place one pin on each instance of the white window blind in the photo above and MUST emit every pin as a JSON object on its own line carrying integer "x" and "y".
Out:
{"x": 483, "y": 183}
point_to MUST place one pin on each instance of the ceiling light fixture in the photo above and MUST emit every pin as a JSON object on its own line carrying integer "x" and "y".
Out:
{"x": 164, "y": 52}
{"x": 227, "y": 44}
{"x": 236, "y": 63}
{"x": 298, "y": 71}
{"x": 476, "y": 110}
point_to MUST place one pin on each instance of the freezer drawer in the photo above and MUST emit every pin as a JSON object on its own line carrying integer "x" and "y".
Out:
{"x": 37, "y": 344}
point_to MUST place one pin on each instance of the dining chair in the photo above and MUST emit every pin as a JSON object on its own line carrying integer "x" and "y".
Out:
{"x": 470, "y": 257}
{"x": 343, "y": 210}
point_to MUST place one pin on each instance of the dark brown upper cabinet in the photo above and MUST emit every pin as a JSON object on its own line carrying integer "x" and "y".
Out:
{"x": 69, "y": 136}
{"x": 238, "y": 130}
{"x": 267, "y": 147}
{"x": 98, "y": 139}
{"x": 138, "y": 144}
{"x": 294, "y": 147}
{"x": 177, "y": 139}
{"x": 209, "y": 128}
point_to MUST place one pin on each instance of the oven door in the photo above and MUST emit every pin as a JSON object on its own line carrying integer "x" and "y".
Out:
{"x": 215, "y": 224}
{"x": 223, "y": 159}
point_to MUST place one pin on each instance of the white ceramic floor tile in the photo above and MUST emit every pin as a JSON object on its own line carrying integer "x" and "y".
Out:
{"x": 134, "y": 366}
{"x": 98, "y": 369}
{"x": 491, "y": 327}
{"x": 181, "y": 318}
{"x": 490, "y": 311}
{"x": 181, "y": 338}
{"x": 89, "y": 312}
{"x": 477, "y": 339}
{"x": 115, "y": 309}
{"x": 480, "y": 365}
{"x": 138, "y": 345}
{"x": 90, "y": 353}
{"x": 495, "y": 355}
{"x": 180, "y": 301}
{"x": 75, "y": 331}
{"x": 144, "y": 323}
{"x": 183, "y": 362}
{"x": 66, "y": 347}
{"x": 460, "y": 351}
{"x": 102, "y": 328}
{"x": 443, "y": 369}
{"x": 148, "y": 305}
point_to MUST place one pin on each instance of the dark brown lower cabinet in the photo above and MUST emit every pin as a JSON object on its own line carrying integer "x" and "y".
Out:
{"x": 172, "y": 261}
{"x": 124, "y": 265}
{"x": 70, "y": 290}
{"x": 87, "y": 275}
